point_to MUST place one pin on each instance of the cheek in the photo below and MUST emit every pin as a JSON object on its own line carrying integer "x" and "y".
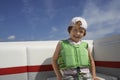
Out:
{"x": 70, "y": 34}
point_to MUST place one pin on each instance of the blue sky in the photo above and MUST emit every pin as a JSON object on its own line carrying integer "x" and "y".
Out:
{"x": 26, "y": 20}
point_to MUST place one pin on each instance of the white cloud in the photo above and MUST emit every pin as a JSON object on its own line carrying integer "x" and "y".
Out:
{"x": 12, "y": 37}
{"x": 54, "y": 29}
{"x": 102, "y": 20}
{"x": 53, "y": 32}
{"x": 31, "y": 14}
{"x": 50, "y": 11}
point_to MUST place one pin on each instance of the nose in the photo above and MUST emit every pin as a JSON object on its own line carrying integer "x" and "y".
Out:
{"x": 78, "y": 33}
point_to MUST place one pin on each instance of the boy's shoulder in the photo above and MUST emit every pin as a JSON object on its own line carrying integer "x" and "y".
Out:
{"x": 65, "y": 40}
{"x": 84, "y": 42}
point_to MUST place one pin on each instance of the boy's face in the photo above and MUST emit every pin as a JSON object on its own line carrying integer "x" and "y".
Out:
{"x": 77, "y": 33}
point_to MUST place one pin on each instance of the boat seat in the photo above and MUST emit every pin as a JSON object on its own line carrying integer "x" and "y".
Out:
{"x": 99, "y": 75}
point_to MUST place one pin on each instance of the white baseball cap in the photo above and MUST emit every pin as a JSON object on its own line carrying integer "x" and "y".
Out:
{"x": 76, "y": 19}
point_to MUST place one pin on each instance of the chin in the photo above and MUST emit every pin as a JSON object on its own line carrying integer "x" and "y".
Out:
{"x": 77, "y": 40}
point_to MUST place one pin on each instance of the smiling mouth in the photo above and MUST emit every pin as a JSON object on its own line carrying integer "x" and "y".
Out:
{"x": 78, "y": 37}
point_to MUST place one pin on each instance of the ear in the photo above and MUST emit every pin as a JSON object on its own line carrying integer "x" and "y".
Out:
{"x": 69, "y": 29}
{"x": 85, "y": 33}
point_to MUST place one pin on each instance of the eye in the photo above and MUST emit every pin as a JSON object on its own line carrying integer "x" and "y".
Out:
{"x": 75, "y": 30}
{"x": 81, "y": 31}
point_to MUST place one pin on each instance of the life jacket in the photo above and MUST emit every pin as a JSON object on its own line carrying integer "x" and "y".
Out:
{"x": 73, "y": 56}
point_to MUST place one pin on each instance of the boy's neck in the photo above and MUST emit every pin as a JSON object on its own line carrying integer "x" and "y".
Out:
{"x": 73, "y": 42}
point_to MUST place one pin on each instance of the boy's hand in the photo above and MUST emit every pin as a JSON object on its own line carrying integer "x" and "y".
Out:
{"x": 96, "y": 78}
{"x": 59, "y": 78}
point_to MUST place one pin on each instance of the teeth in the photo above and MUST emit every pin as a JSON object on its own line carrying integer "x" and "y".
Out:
{"x": 76, "y": 37}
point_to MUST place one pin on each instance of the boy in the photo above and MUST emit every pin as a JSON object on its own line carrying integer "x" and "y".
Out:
{"x": 72, "y": 57}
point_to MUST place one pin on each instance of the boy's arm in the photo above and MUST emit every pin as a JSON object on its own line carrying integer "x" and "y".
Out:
{"x": 54, "y": 62}
{"x": 93, "y": 68}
